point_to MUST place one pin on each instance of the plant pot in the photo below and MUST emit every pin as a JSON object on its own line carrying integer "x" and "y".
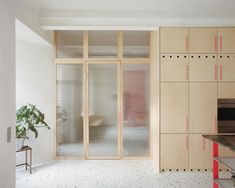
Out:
{"x": 19, "y": 143}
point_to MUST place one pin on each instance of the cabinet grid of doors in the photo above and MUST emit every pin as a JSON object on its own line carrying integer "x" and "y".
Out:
{"x": 197, "y": 67}
{"x": 103, "y": 94}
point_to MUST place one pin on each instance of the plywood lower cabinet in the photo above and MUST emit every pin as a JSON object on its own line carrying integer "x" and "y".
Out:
{"x": 203, "y": 40}
{"x": 203, "y": 68}
{"x": 200, "y": 152}
{"x": 203, "y": 107}
{"x": 174, "y": 40}
{"x": 174, "y": 151}
{"x": 174, "y": 67}
{"x": 226, "y": 67}
{"x": 226, "y": 90}
{"x": 174, "y": 107}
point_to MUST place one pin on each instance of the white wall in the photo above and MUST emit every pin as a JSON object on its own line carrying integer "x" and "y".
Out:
{"x": 7, "y": 95}
{"x": 34, "y": 85}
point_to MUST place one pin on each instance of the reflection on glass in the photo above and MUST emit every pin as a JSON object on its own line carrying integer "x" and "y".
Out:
{"x": 69, "y": 44}
{"x": 136, "y": 44}
{"x": 102, "y": 44}
{"x": 69, "y": 121}
{"x": 103, "y": 110}
{"x": 136, "y": 110}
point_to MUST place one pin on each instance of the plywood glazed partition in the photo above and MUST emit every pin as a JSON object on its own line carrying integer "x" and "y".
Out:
{"x": 105, "y": 85}
{"x": 197, "y": 67}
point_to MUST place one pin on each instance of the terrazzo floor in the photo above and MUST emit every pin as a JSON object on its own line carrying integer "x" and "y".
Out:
{"x": 108, "y": 174}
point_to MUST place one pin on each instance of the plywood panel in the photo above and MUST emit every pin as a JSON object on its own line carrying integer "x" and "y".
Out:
{"x": 174, "y": 151}
{"x": 203, "y": 40}
{"x": 226, "y": 67}
{"x": 200, "y": 152}
{"x": 203, "y": 68}
{"x": 174, "y": 40}
{"x": 226, "y": 90}
{"x": 174, "y": 67}
{"x": 226, "y": 40}
{"x": 174, "y": 107}
{"x": 202, "y": 107}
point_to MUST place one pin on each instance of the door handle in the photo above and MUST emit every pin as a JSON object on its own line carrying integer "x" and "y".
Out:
{"x": 203, "y": 144}
{"x": 187, "y": 124}
{"x": 215, "y": 44}
{"x": 221, "y": 42}
{"x": 216, "y": 72}
{"x": 221, "y": 72}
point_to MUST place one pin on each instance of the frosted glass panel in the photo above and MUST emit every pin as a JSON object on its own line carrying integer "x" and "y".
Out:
{"x": 136, "y": 110}
{"x": 102, "y": 44}
{"x": 69, "y": 44}
{"x": 103, "y": 110}
{"x": 136, "y": 44}
{"x": 69, "y": 120}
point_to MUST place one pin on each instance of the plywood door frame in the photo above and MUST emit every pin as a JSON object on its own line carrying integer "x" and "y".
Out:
{"x": 153, "y": 61}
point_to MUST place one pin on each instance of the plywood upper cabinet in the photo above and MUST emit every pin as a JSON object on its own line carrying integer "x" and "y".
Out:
{"x": 174, "y": 40}
{"x": 203, "y": 107}
{"x": 174, "y": 151}
{"x": 203, "y": 40}
{"x": 226, "y": 40}
{"x": 203, "y": 68}
{"x": 174, "y": 67}
{"x": 226, "y": 67}
{"x": 174, "y": 108}
{"x": 200, "y": 152}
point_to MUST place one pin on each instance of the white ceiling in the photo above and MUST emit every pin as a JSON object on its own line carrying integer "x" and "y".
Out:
{"x": 64, "y": 13}
{"x": 224, "y": 7}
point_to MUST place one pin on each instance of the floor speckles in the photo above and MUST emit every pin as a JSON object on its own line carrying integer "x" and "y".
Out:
{"x": 108, "y": 174}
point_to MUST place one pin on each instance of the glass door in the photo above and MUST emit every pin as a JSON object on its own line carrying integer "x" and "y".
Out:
{"x": 69, "y": 110}
{"x": 103, "y": 109}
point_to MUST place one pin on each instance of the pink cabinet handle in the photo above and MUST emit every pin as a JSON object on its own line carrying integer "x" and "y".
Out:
{"x": 221, "y": 42}
{"x": 216, "y": 72}
{"x": 215, "y": 44}
{"x": 221, "y": 72}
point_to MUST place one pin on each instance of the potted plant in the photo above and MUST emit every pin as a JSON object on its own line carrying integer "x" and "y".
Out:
{"x": 28, "y": 118}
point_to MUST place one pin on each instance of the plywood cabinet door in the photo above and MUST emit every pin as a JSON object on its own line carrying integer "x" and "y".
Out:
{"x": 203, "y": 68}
{"x": 226, "y": 40}
{"x": 203, "y": 107}
{"x": 174, "y": 67}
{"x": 174, "y": 107}
{"x": 174, "y": 151}
{"x": 200, "y": 152}
{"x": 226, "y": 90}
{"x": 174, "y": 40}
{"x": 203, "y": 40}
{"x": 226, "y": 67}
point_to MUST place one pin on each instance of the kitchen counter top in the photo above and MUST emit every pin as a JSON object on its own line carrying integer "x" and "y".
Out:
{"x": 227, "y": 140}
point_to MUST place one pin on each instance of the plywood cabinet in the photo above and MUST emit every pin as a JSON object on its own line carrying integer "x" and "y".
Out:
{"x": 174, "y": 151}
{"x": 203, "y": 107}
{"x": 174, "y": 67}
{"x": 174, "y": 107}
{"x": 203, "y": 68}
{"x": 174, "y": 40}
{"x": 226, "y": 67}
{"x": 203, "y": 40}
{"x": 226, "y": 40}
{"x": 200, "y": 152}
{"x": 226, "y": 90}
